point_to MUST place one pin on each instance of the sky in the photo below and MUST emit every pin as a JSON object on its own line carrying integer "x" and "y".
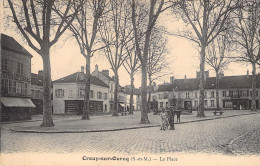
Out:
{"x": 183, "y": 58}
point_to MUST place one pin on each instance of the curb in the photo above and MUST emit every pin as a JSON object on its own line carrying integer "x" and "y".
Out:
{"x": 127, "y": 128}
{"x": 230, "y": 144}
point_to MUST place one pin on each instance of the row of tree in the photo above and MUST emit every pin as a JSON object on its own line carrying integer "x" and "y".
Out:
{"x": 125, "y": 31}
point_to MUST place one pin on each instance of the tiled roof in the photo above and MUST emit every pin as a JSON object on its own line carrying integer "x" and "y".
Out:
{"x": 36, "y": 79}
{"x": 9, "y": 43}
{"x": 107, "y": 76}
{"x": 225, "y": 82}
{"x": 75, "y": 78}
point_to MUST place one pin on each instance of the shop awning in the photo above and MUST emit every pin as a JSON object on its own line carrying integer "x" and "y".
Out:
{"x": 17, "y": 102}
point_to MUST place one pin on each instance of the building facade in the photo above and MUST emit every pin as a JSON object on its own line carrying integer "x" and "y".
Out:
{"x": 15, "y": 81}
{"x": 37, "y": 92}
{"x": 105, "y": 77}
{"x": 235, "y": 92}
{"x": 69, "y": 91}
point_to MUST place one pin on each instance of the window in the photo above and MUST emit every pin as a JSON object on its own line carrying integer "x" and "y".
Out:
{"x": 91, "y": 94}
{"x": 18, "y": 87}
{"x": 212, "y": 94}
{"x": 206, "y": 102}
{"x": 161, "y": 104}
{"x": 4, "y": 85}
{"x": 70, "y": 93}
{"x": 166, "y": 104}
{"x": 196, "y": 94}
{"x": 165, "y": 95}
{"x": 59, "y": 93}
{"x": 14, "y": 87}
{"x": 230, "y": 93}
{"x": 20, "y": 68}
{"x": 212, "y": 103}
{"x": 196, "y": 103}
{"x": 224, "y": 94}
{"x": 154, "y": 97}
{"x": 205, "y": 94}
{"x": 81, "y": 91}
{"x": 4, "y": 64}
{"x": 105, "y": 96}
{"x": 187, "y": 95}
{"x": 99, "y": 95}
{"x": 25, "y": 88}
{"x": 10, "y": 86}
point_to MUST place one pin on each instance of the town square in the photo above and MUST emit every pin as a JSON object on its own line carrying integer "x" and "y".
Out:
{"x": 126, "y": 82}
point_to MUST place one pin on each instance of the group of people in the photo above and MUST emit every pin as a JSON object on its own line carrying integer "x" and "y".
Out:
{"x": 168, "y": 118}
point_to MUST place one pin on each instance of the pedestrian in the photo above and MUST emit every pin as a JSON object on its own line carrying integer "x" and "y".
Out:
{"x": 171, "y": 117}
{"x": 164, "y": 120}
{"x": 178, "y": 112}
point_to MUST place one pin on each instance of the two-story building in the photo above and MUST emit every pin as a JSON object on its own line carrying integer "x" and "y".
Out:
{"x": 235, "y": 92}
{"x": 15, "y": 81}
{"x": 69, "y": 91}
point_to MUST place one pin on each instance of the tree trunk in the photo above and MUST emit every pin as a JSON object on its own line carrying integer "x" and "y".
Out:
{"x": 132, "y": 95}
{"x": 85, "y": 115}
{"x": 253, "y": 103}
{"x": 217, "y": 90}
{"x": 200, "y": 112}
{"x": 144, "y": 115}
{"x": 115, "y": 113}
{"x": 47, "y": 106}
{"x": 149, "y": 94}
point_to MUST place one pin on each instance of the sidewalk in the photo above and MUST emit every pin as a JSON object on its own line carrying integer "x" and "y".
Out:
{"x": 73, "y": 124}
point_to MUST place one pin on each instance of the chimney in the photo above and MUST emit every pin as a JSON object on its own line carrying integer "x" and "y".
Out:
{"x": 40, "y": 72}
{"x": 185, "y": 78}
{"x": 172, "y": 80}
{"x": 82, "y": 69}
{"x": 106, "y": 72}
{"x": 220, "y": 75}
{"x": 96, "y": 67}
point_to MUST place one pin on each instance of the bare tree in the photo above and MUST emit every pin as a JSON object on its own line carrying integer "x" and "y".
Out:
{"x": 204, "y": 20}
{"x": 115, "y": 34}
{"x": 85, "y": 29}
{"x": 218, "y": 59}
{"x": 42, "y": 29}
{"x": 131, "y": 65}
{"x": 246, "y": 36}
{"x": 144, "y": 17}
{"x": 157, "y": 64}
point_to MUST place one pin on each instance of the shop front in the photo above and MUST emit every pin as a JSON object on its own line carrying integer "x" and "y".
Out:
{"x": 16, "y": 109}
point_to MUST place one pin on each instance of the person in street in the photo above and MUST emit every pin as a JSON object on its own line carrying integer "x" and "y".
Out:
{"x": 164, "y": 120}
{"x": 171, "y": 117}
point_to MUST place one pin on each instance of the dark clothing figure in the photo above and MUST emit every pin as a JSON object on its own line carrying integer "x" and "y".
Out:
{"x": 178, "y": 116}
{"x": 171, "y": 119}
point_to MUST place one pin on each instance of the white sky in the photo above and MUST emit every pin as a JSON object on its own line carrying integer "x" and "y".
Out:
{"x": 183, "y": 57}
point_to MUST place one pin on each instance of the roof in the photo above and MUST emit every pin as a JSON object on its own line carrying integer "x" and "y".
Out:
{"x": 36, "y": 79}
{"x": 225, "y": 82}
{"x": 135, "y": 91}
{"x": 107, "y": 76}
{"x": 75, "y": 78}
{"x": 9, "y": 43}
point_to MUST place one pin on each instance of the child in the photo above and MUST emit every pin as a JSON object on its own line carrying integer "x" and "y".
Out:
{"x": 164, "y": 122}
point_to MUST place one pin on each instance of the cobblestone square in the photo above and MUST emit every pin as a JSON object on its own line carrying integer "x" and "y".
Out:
{"x": 231, "y": 136}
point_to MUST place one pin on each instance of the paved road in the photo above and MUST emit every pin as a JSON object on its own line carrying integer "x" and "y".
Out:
{"x": 210, "y": 136}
